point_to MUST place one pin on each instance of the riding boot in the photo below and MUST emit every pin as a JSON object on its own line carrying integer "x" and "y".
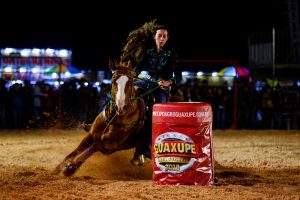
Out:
{"x": 142, "y": 147}
{"x": 146, "y": 141}
{"x": 138, "y": 159}
{"x": 139, "y": 156}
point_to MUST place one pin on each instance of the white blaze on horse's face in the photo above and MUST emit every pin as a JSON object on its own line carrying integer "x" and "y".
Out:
{"x": 120, "y": 96}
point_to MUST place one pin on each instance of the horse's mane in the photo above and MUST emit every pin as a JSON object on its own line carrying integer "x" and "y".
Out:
{"x": 137, "y": 41}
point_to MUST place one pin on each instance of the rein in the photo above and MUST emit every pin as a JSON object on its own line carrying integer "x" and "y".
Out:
{"x": 138, "y": 123}
{"x": 108, "y": 123}
{"x": 147, "y": 92}
{"x": 112, "y": 106}
{"x": 141, "y": 119}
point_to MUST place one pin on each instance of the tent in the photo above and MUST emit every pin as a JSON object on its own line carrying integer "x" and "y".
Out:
{"x": 235, "y": 71}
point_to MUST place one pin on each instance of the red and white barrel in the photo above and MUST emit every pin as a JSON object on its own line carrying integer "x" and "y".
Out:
{"x": 182, "y": 147}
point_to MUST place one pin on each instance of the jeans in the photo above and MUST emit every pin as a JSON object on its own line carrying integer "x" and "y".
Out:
{"x": 160, "y": 95}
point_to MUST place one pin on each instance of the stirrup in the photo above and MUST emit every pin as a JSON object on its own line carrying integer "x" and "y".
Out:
{"x": 138, "y": 160}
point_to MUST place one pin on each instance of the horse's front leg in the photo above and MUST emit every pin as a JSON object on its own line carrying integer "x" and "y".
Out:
{"x": 85, "y": 149}
{"x": 87, "y": 141}
{"x": 77, "y": 161}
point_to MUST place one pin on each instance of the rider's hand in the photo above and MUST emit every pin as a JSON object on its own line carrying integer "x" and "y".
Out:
{"x": 165, "y": 84}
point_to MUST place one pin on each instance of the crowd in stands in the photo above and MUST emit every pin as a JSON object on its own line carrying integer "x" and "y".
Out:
{"x": 41, "y": 105}
{"x": 266, "y": 108}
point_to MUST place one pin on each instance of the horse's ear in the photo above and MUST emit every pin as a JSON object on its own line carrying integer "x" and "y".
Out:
{"x": 129, "y": 64}
{"x": 112, "y": 65}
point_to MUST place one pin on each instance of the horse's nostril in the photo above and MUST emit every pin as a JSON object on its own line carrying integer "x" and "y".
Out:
{"x": 125, "y": 107}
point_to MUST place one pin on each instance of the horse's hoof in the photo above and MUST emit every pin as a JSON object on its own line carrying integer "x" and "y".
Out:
{"x": 69, "y": 169}
{"x": 138, "y": 160}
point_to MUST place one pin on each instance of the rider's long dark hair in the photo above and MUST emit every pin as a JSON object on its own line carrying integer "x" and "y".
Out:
{"x": 138, "y": 40}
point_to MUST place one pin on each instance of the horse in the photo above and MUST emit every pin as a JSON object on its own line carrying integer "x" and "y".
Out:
{"x": 117, "y": 127}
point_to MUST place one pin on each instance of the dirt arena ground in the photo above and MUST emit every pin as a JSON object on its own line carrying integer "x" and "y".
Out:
{"x": 248, "y": 165}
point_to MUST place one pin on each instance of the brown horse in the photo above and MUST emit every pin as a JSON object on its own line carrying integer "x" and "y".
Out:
{"x": 116, "y": 127}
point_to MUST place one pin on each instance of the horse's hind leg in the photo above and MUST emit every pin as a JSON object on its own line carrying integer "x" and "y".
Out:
{"x": 85, "y": 144}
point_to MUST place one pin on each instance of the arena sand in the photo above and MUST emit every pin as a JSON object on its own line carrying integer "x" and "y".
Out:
{"x": 248, "y": 165}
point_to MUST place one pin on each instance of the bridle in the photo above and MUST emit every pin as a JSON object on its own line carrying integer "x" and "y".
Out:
{"x": 130, "y": 97}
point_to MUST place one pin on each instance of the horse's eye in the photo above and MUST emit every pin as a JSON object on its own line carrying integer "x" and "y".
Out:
{"x": 114, "y": 76}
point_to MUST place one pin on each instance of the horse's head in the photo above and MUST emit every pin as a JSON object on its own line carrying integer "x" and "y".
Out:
{"x": 122, "y": 90}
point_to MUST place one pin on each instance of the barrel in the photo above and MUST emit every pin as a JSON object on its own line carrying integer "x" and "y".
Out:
{"x": 182, "y": 146}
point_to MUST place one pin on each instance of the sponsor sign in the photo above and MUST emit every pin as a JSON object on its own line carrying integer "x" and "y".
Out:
{"x": 182, "y": 151}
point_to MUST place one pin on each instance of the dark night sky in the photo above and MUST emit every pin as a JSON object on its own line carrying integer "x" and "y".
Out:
{"x": 211, "y": 30}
